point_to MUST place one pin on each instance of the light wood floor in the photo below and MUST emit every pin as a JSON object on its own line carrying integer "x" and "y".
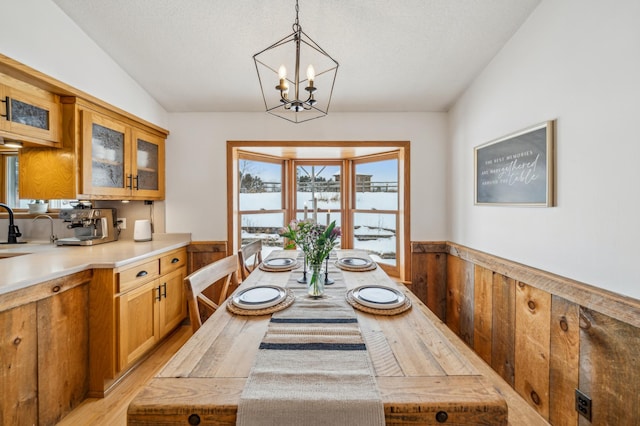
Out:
{"x": 112, "y": 410}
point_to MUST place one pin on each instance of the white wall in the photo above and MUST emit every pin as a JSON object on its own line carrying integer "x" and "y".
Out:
{"x": 577, "y": 61}
{"x": 573, "y": 60}
{"x": 196, "y": 169}
{"x": 38, "y": 34}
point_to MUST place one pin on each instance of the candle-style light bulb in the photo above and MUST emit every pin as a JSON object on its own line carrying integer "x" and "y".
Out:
{"x": 283, "y": 87}
{"x": 311, "y": 75}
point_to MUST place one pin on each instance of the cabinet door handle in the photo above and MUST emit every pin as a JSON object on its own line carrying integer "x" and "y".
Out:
{"x": 136, "y": 185}
{"x": 159, "y": 297}
{"x": 141, "y": 274}
{"x": 7, "y": 102}
{"x": 130, "y": 179}
{"x": 164, "y": 290}
{"x": 175, "y": 260}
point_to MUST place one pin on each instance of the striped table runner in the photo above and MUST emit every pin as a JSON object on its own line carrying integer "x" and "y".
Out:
{"x": 312, "y": 367}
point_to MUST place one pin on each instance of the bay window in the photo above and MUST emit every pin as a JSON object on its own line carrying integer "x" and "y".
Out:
{"x": 363, "y": 188}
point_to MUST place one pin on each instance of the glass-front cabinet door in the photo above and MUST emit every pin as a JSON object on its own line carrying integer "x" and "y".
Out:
{"x": 30, "y": 115}
{"x": 147, "y": 165}
{"x": 120, "y": 161}
{"x": 106, "y": 155}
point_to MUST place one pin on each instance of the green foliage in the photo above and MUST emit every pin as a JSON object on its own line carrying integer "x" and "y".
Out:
{"x": 251, "y": 184}
{"x": 316, "y": 241}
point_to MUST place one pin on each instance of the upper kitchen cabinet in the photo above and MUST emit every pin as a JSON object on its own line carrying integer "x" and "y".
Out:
{"x": 76, "y": 146}
{"x": 106, "y": 155}
{"x": 28, "y": 113}
{"x": 147, "y": 165}
{"x": 119, "y": 160}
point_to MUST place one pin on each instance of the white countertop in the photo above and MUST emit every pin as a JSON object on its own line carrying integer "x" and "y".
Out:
{"x": 43, "y": 261}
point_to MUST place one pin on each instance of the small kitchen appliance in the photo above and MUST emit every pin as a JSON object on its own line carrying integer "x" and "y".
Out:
{"x": 142, "y": 230}
{"x": 91, "y": 226}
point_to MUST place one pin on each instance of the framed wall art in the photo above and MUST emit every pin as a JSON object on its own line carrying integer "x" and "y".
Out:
{"x": 517, "y": 169}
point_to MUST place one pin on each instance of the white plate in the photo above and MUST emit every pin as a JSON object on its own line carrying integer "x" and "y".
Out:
{"x": 355, "y": 262}
{"x": 260, "y": 297}
{"x": 280, "y": 262}
{"x": 378, "y": 297}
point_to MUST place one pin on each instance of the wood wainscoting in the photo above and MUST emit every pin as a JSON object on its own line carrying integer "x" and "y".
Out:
{"x": 545, "y": 335}
{"x": 202, "y": 253}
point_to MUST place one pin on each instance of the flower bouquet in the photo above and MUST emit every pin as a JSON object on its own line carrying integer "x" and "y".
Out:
{"x": 316, "y": 241}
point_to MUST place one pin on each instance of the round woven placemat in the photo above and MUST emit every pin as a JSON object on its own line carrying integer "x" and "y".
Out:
{"x": 395, "y": 311}
{"x": 344, "y": 267}
{"x": 266, "y": 311}
{"x": 270, "y": 269}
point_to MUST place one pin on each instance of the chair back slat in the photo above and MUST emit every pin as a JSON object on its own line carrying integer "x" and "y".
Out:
{"x": 244, "y": 255}
{"x": 205, "y": 278}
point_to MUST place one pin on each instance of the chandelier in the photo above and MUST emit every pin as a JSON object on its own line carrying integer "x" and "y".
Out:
{"x": 294, "y": 99}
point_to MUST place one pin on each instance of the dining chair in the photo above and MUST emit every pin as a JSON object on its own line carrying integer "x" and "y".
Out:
{"x": 201, "y": 284}
{"x": 251, "y": 250}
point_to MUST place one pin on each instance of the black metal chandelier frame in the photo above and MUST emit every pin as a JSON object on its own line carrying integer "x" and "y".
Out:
{"x": 293, "y": 109}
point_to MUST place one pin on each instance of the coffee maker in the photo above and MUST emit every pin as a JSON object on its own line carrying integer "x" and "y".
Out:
{"x": 91, "y": 226}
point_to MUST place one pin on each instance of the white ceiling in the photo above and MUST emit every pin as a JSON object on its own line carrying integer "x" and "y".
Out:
{"x": 394, "y": 55}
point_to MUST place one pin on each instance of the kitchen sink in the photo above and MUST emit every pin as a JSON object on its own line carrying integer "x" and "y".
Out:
{"x": 25, "y": 247}
{"x": 8, "y": 255}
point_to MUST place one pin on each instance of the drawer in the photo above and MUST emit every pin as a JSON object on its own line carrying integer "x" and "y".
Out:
{"x": 172, "y": 261}
{"x": 137, "y": 275}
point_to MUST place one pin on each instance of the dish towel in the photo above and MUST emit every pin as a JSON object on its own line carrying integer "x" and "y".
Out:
{"x": 312, "y": 367}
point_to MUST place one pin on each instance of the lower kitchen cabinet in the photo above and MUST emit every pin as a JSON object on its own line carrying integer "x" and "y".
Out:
{"x": 44, "y": 353}
{"x": 19, "y": 366}
{"x": 137, "y": 322}
{"x": 148, "y": 303}
{"x": 63, "y": 353}
{"x": 173, "y": 305}
{"x": 77, "y": 336}
{"x": 147, "y": 314}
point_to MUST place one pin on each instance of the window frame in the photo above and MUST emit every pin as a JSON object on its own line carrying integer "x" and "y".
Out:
{"x": 389, "y": 269}
{"x": 243, "y": 155}
{"x": 291, "y": 152}
{"x": 319, "y": 162}
{"x": 7, "y": 180}
{"x": 3, "y": 173}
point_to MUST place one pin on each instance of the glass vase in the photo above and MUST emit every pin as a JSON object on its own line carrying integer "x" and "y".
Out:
{"x": 315, "y": 284}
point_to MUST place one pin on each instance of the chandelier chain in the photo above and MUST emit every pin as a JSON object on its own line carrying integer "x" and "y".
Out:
{"x": 296, "y": 25}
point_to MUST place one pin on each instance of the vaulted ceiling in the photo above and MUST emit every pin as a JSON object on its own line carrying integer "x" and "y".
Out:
{"x": 394, "y": 55}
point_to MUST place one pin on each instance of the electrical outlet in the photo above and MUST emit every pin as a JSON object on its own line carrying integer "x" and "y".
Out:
{"x": 583, "y": 404}
{"x": 122, "y": 222}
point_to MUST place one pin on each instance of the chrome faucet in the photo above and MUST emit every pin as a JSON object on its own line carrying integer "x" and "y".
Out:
{"x": 14, "y": 232}
{"x": 52, "y": 237}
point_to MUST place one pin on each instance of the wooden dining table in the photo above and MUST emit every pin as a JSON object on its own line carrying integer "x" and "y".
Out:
{"x": 422, "y": 377}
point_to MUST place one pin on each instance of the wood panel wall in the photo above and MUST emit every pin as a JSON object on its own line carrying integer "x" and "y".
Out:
{"x": 428, "y": 267}
{"x": 202, "y": 253}
{"x": 545, "y": 335}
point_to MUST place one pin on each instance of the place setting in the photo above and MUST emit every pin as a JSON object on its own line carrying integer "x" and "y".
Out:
{"x": 356, "y": 264}
{"x": 260, "y": 300}
{"x": 379, "y": 300}
{"x": 279, "y": 264}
